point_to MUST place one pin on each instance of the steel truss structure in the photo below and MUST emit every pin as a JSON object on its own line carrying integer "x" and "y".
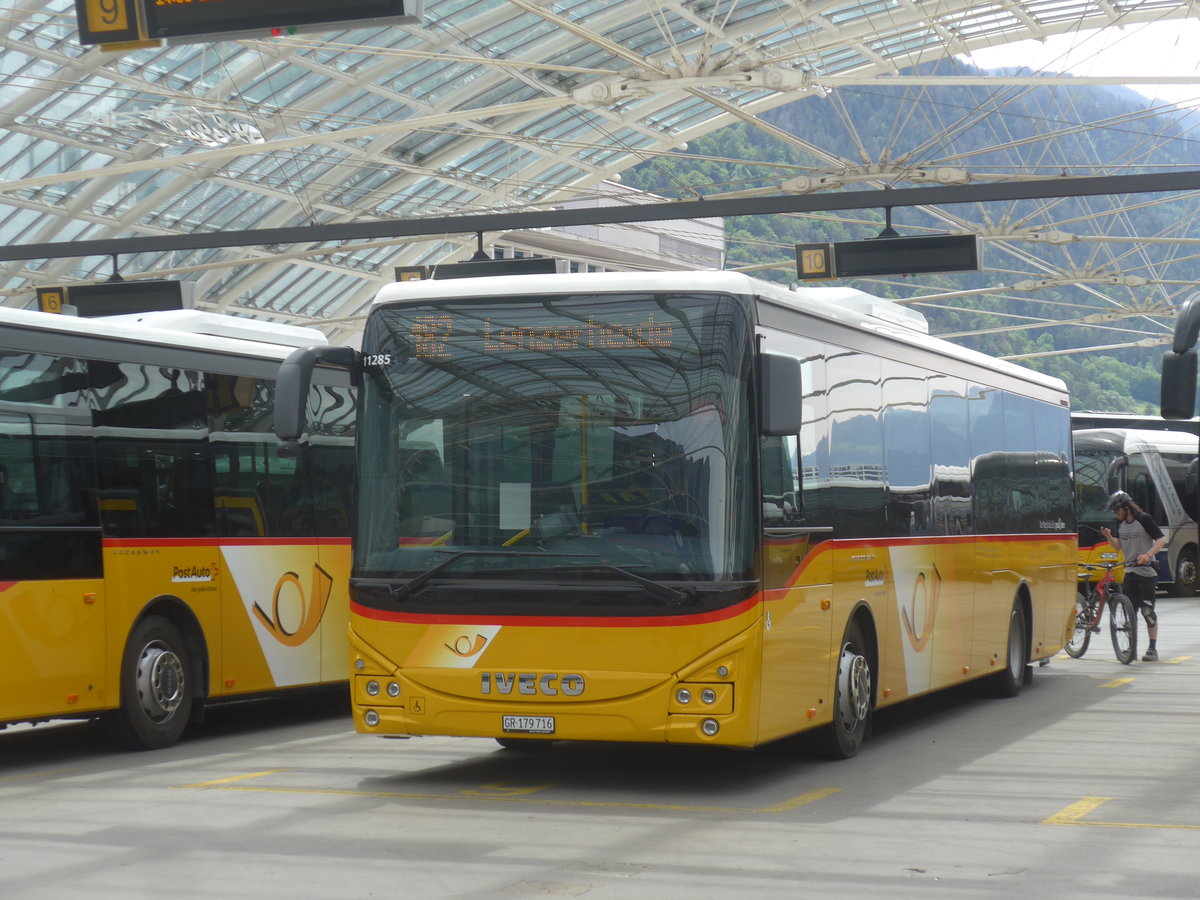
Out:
{"x": 499, "y": 107}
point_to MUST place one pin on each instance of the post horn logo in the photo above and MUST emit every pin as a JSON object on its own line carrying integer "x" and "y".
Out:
{"x": 465, "y": 646}
{"x": 285, "y": 626}
{"x": 925, "y": 595}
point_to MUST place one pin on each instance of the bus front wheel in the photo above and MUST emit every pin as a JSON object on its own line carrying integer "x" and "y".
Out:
{"x": 156, "y": 688}
{"x": 852, "y": 698}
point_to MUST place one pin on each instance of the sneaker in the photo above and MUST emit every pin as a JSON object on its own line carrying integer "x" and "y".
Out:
{"x": 1151, "y": 655}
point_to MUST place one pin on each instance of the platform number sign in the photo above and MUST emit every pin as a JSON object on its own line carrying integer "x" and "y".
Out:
{"x": 814, "y": 262}
{"x": 107, "y": 21}
{"x": 51, "y": 299}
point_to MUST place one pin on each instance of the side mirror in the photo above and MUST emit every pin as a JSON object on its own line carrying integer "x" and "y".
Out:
{"x": 779, "y": 394}
{"x": 1178, "y": 392}
{"x": 291, "y": 389}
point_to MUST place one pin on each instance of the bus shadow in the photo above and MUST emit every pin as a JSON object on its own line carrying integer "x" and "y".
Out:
{"x": 960, "y": 725}
{"x": 63, "y": 743}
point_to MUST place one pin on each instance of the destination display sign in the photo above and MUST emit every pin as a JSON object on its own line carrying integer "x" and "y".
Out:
{"x": 435, "y": 336}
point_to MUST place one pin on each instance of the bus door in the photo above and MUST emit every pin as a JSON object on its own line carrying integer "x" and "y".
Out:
{"x": 51, "y": 589}
{"x": 1152, "y": 489}
{"x": 797, "y": 585}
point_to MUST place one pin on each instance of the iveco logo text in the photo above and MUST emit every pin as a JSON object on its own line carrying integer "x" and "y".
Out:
{"x": 531, "y": 683}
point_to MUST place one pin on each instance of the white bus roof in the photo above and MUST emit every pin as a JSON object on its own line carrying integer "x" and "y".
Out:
{"x": 1133, "y": 438}
{"x": 837, "y": 304}
{"x": 184, "y": 328}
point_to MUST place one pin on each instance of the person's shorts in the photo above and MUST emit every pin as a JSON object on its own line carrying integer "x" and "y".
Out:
{"x": 1141, "y": 589}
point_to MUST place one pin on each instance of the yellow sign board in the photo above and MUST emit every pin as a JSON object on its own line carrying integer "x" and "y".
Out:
{"x": 51, "y": 299}
{"x": 108, "y": 21}
{"x": 814, "y": 262}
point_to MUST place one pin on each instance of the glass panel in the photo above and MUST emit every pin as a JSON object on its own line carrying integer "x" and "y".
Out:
{"x": 951, "y": 451}
{"x": 985, "y": 411}
{"x": 48, "y": 526}
{"x": 1099, "y": 465}
{"x": 856, "y": 438}
{"x": 331, "y": 450}
{"x": 602, "y": 435}
{"x": 906, "y": 447}
{"x": 151, "y": 435}
{"x": 257, "y": 492}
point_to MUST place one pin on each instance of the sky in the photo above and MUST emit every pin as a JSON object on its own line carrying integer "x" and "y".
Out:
{"x": 1156, "y": 49}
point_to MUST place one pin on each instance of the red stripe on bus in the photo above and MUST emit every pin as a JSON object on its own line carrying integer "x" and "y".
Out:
{"x": 226, "y": 542}
{"x": 718, "y": 615}
{"x": 826, "y": 546}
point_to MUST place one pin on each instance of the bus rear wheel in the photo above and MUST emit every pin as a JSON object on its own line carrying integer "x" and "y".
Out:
{"x": 1016, "y": 654}
{"x": 1187, "y": 575}
{"x": 156, "y": 688}
{"x": 852, "y": 699}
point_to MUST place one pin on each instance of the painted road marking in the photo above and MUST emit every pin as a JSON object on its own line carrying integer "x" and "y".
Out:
{"x": 1073, "y": 815}
{"x": 499, "y": 792}
{"x": 1116, "y": 682}
{"x": 234, "y": 778}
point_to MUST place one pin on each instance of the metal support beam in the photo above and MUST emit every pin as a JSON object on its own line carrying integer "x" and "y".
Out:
{"x": 941, "y": 195}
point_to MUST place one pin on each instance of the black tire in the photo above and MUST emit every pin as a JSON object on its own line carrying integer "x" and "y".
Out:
{"x": 1082, "y": 636}
{"x": 1187, "y": 575}
{"x": 1122, "y": 625}
{"x": 156, "y": 688}
{"x": 853, "y": 699}
{"x": 1016, "y": 655}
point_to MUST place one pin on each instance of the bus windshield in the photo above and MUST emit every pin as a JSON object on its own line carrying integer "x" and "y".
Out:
{"x": 1099, "y": 460}
{"x": 605, "y": 438}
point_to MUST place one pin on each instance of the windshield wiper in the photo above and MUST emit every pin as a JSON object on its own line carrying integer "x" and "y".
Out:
{"x": 654, "y": 588}
{"x": 412, "y": 587}
{"x": 416, "y": 585}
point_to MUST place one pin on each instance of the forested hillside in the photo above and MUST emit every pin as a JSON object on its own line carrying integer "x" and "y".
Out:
{"x": 989, "y": 131}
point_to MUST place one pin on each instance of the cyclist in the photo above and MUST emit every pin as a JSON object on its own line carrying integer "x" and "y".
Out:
{"x": 1139, "y": 539}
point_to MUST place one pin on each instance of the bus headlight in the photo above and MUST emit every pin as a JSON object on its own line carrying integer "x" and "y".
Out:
{"x": 371, "y": 718}
{"x": 710, "y": 727}
{"x": 717, "y": 699}
{"x": 372, "y": 688}
{"x": 393, "y": 689}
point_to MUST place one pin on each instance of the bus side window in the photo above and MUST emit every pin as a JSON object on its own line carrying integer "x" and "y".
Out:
{"x": 152, "y": 448}
{"x": 1141, "y": 488}
{"x": 780, "y": 481}
{"x": 1188, "y": 492}
{"x": 331, "y": 454}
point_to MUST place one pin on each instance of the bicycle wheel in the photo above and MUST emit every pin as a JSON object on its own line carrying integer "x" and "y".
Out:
{"x": 1122, "y": 625}
{"x": 1084, "y": 613}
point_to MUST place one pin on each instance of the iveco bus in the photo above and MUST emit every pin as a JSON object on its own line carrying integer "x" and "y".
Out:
{"x": 689, "y": 507}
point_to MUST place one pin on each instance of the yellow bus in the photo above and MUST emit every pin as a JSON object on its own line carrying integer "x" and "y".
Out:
{"x": 155, "y": 551}
{"x": 693, "y": 508}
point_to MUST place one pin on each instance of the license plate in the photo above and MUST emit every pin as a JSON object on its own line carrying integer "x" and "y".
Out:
{"x": 528, "y": 724}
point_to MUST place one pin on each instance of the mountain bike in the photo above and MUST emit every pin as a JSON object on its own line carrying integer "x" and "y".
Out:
{"x": 1090, "y": 601}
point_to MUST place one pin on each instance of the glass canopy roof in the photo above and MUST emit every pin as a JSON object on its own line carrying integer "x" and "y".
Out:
{"x": 483, "y": 106}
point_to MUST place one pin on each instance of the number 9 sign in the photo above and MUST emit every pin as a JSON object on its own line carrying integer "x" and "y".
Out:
{"x": 106, "y": 21}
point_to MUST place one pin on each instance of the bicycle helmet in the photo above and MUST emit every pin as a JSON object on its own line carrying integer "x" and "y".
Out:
{"x": 1117, "y": 500}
